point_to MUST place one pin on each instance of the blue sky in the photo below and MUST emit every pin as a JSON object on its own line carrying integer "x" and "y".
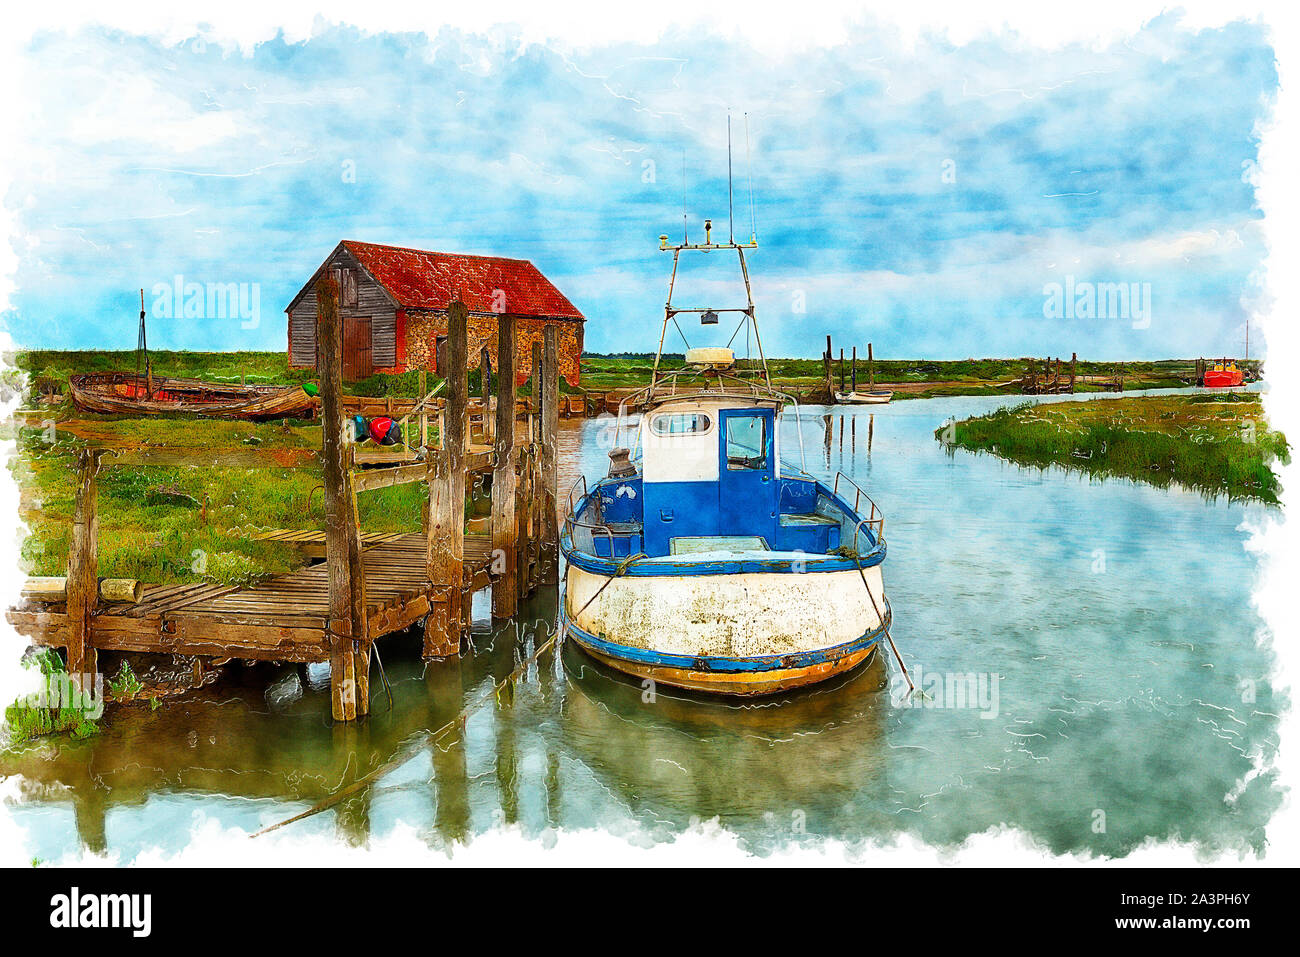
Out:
{"x": 921, "y": 196}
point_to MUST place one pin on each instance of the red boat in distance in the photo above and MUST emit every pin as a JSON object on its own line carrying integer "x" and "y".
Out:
{"x": 1224, "y": 375}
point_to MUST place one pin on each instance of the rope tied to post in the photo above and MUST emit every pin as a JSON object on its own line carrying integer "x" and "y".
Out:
{"x": 911, "y": 688}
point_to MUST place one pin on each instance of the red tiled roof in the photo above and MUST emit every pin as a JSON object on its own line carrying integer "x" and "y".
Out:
{"x": 419, "y": 279}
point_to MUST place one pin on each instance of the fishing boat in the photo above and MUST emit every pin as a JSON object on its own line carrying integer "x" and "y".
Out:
{"x": 1224, "y": 375}
{"x": 863, "y": 398}
{"x": 126, "y": 393}
{"x": 702, "y": 560}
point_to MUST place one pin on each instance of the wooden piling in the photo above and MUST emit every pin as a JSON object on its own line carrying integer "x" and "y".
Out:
{"x": 424, "y": 412}
{"x": 485, "y": 389}
{"x": 1074, "y": 361}
{"x": 349, "y": 644}
{"x": 83, "y": 570}
{"x": 855, "y": 368}
{"x": 445, "y": 543}
{"x": 531, "y": 504}
{"x": 841, "y": 369}
{"x": 549, "y": 560}
{"x": 826, "y": 372}
{"x": 871, "y": 369}
{"x": 505, "y": 594}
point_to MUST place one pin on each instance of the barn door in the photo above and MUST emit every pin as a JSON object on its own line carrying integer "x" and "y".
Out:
{"x": 357, "y": 362}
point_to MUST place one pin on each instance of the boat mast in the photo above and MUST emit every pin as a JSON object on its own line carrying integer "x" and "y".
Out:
{"x": 142, "y": 352}
{"x": 709, "y": 315}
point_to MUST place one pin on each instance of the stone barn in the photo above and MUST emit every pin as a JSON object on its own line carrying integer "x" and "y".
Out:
{"x": 393, "y": 304}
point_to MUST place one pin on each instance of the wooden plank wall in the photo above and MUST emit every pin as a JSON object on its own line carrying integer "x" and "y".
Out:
{"x": 372, "y": 301}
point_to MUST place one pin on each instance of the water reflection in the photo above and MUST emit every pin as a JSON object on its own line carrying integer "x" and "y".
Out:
{"x": 1117, "y": 692}
{"x": 678, "y": 755}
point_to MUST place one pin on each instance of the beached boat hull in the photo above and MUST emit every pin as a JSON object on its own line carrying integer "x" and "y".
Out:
{"x": 116, "y": 393}
{"x": 738, "y": 634}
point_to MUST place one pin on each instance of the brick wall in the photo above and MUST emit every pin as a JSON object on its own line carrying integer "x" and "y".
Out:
{"x": 423, "y": 328}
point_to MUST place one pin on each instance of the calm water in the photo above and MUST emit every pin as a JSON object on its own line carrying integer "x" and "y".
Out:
{"x": 1113, "y": 620}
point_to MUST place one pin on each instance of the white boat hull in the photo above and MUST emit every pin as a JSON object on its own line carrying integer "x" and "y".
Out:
{"x": 863, "y": 398}
{"x": 748, "y": 633}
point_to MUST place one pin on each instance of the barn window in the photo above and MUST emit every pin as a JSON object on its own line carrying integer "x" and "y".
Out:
{"x": 348, "y": 287}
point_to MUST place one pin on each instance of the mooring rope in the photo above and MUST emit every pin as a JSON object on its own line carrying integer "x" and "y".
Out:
{"x": 897, "y": 657}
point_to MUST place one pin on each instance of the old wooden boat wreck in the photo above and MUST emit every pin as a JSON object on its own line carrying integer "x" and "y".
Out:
{"x": 702, "y": 560}
{"x": 126, "y": 393}
{"x": 142, "y": 393}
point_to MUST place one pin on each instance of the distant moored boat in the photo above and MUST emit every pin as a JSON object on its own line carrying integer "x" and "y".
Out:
{"x": 1225, "y": 374}
{"x": 863, "y": 398}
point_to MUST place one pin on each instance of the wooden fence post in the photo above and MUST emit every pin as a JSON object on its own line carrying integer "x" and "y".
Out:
{"x": 504, "y": 519}
{"x": 83, "y": 573}
{"x": 349, "y": 643}
{"x": 549, "y": 571}
{"x": 445, "y": 545}
{"x": 485, "y": 387}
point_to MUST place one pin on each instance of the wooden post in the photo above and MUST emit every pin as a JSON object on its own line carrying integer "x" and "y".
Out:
{"x": 841, "y": 369}
{"x": 445, "y": 544}
{"x": 1074, "y": 361}
{"x": 505, "y": 594}
{"x": 530, "y": 520}
{"x": 349, "y": 644}
{"x": 535, "y": 377}
{"x": 424, "y": 415}
{"x": 485, "y": 387}
{"x": 826, "y": 370}
{"x": 549, "y": 561}
{"x": 871, "y": 369}
{"x": 83, "y": 571}
{"x": 855, "y": 368}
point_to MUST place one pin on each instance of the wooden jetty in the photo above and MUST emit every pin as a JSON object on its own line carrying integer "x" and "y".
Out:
{"x": 1052, "y": 379}
{"x": 369, "y": 585}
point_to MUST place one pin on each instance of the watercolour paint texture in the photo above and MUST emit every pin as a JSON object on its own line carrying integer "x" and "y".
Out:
{"x": 456, "y": 435}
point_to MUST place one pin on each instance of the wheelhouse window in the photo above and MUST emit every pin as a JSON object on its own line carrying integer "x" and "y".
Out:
{"x": 680, "y": 423}
{"x": 746, "y": 442}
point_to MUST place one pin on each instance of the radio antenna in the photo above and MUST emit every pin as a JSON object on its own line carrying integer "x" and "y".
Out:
{"x": 753, "y": 230}
{"x": 685, "y": 230}
{"x": 731, "y": 209}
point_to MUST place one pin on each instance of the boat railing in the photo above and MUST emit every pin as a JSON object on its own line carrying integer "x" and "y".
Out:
{"x": 875, "y": 519}
{"x": 594, "y": 528}
{"x": 571, "y": 524}
{"x": 581, "y": 480}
